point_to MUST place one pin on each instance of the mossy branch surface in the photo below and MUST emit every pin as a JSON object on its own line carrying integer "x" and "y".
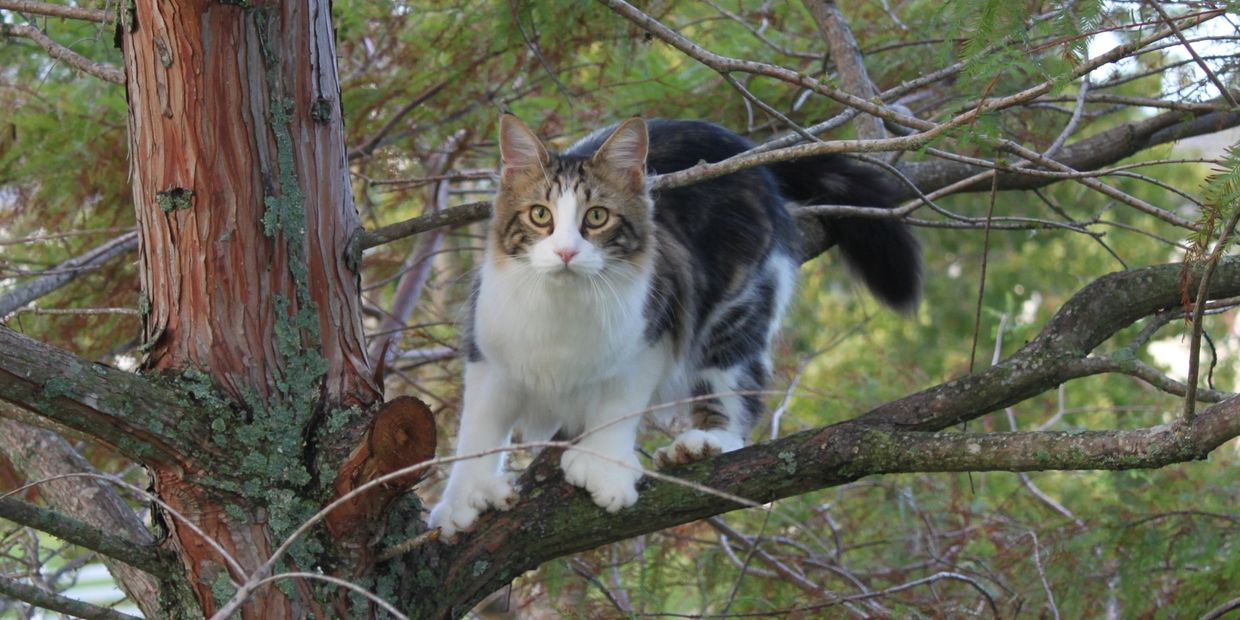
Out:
{"x": 146, "y": 557}
{"x": 553, "y": 518}
{"x": 144, "y": 421}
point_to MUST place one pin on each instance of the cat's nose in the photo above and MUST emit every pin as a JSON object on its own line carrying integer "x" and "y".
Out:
{"x": 566, "y": 254}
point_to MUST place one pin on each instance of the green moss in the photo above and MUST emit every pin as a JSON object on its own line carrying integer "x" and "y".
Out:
{"x": 175, "y": 198}
{"x": 56, "y": 387}
{"x": 221, "y": 587}
{"x": 790, "y": 462}
{"x": 321, "y": 111}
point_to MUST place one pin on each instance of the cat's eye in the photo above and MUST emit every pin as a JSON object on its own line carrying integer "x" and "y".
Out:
{"x": 597, "y": 216}
{"x": 540, "y": 215}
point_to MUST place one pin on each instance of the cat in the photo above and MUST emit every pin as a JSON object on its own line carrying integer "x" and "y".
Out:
{"x": 598, "y": 299}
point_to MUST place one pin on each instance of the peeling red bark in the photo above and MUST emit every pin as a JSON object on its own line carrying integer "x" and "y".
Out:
{"x": 203, "y": 85}
{"x": 234, "y": 112}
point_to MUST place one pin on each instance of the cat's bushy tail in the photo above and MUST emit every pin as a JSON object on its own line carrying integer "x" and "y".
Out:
{"x": 883, "y": 252}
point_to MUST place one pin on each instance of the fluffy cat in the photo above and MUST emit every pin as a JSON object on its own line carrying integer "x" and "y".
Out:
{"x": 598, "y": 300}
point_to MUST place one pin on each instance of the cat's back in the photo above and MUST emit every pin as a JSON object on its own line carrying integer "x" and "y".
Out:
{"x": 740, "y": 211}
{"x": 722, "y": 242}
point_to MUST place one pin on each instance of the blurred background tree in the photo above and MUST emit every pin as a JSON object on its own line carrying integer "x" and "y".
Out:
{"x": 422, "y": 86}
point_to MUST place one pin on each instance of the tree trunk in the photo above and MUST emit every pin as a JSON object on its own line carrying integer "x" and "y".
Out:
{"x": 250, "y": 287}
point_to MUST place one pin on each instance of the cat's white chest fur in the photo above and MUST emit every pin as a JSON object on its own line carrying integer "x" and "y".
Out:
{"x": 558, "y": 334}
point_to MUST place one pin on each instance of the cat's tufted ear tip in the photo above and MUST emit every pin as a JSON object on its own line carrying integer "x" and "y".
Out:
{"x": 625, "y": 150}
{"x": 519, "y": 149}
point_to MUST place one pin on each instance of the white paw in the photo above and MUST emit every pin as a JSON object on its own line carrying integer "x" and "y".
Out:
{"x": 693, "y": 445}
{"x": 612, "y": 486}
{"x": 461, "y": 504}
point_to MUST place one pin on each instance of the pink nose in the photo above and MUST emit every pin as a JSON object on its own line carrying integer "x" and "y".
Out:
{"x": 566, "y": 254}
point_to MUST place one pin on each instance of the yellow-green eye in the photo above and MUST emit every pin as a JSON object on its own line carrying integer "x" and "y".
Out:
{"x": 540, "y": 215}
{"x": 597, "y": 216}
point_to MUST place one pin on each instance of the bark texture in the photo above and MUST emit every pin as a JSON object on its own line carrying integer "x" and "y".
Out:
{"x": 246, "y": 218}
{"x": 241, "y": 190}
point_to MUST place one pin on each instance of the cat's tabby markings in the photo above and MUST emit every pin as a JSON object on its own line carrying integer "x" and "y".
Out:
{"x": 597, "y": 300}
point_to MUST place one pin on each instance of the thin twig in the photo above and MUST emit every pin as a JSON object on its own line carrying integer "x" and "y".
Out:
{"x": 1222, "y": 610}
{"x": 981, "y": 280}
{"x": 1192, "y": 52}
{"x": 1046, "y": 586}
{"x": 79, "y": 311}
{"x": 1199, "y": 311}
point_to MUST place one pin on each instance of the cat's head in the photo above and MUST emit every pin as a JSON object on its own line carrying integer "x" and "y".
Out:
{"x": 573, "y": 215}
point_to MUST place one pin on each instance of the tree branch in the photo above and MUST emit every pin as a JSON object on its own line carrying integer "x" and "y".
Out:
{"x": 57, "y": 10}
{"x": 100, "y": 70}
{"x": 56, "y": 602}
{"x": 139, "y": 555}
{"x": 553, "y": 518}
{"x": 848, "y": 60}
{"x": 66, "y": 272}
{"x": 42, "y": 455}
{"x": 455, "y": 216}
{"x": 141, "y": 419}
{"x": 1092, "y": 153}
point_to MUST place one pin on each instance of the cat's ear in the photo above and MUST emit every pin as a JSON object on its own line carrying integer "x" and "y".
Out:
{"x": 520, "y": 151}
{"x": 624, "y": 153}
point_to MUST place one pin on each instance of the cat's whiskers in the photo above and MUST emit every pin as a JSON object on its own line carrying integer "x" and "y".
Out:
{"x": 616, "y": 297}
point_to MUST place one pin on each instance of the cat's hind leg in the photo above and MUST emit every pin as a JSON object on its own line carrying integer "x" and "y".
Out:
{"x": 726, "y": 403}
{"x": 735, "y": 368}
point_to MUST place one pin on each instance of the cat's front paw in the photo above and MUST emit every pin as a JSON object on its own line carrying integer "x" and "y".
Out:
{"x": 460, "y": 505}
{"x": 612, "y": 486}
{"x": 695, "y": 445}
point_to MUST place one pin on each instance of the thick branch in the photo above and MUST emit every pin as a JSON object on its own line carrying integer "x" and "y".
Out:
{"x": 142, "y": 420}
{"x": 553, "y": 518}
{"x": 1094, "y": 152}
{"x": 66, "y": 272}
{"x": 455, "y": 216}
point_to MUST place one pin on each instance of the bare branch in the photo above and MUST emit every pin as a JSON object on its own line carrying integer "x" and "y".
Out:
{"x": 455, "y": 216}
{"x": 848, "y": 61}
{"x": 1074, "y": 160}
{"x": 1222, "y": 610}
{"x": 58, "y": 10}
{"x": 68, "y": 529}
{"x": 56, "y": 602}
{"x": 66, "y": 272}
{"x": 100, "y": 70}
{"x": 1099, "y": 150}
{"x": 44, "y": 456}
